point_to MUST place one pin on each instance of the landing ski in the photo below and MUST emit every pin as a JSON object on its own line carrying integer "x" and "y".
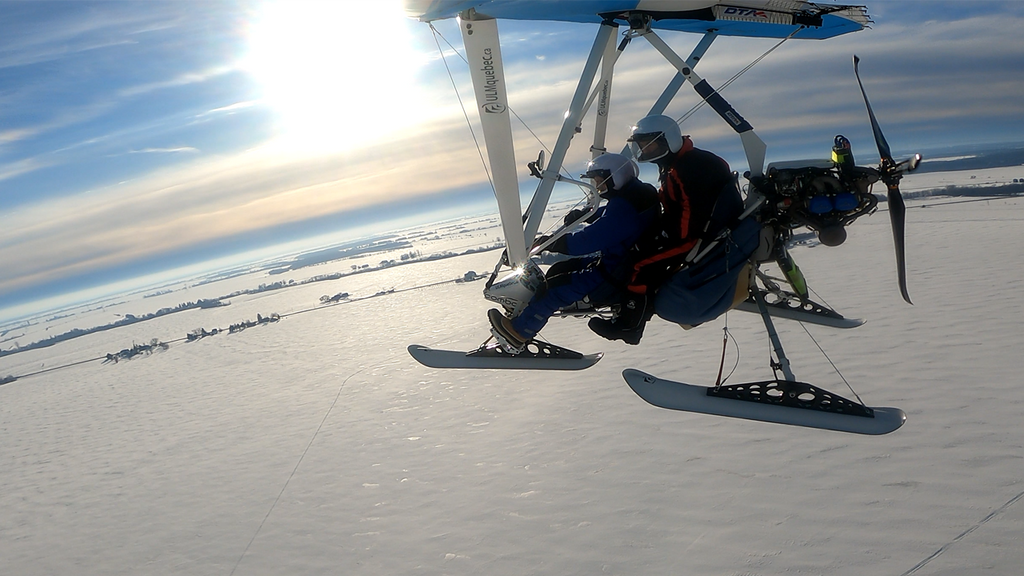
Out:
{"x": 810, "y": 313}
{"x": 535, "y": 357}
{"x": 791, "y": 403}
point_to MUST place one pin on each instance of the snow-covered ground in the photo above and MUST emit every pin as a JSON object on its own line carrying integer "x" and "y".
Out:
{"x": 981, "y": 178}
{"x": 316, "y": 445}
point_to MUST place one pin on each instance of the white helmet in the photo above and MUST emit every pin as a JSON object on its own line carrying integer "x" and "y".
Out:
{"x": 612, "y": 170}
{"x": 654, "y": 137}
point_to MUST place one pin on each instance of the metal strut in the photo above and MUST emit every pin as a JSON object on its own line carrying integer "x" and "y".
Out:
{"x": 783, "y": 362}
{"x": 678, "y": 80}
{"x": 753, "y": 146}
{"x": 572, "y": 119}
{"x": 483, "y": 51}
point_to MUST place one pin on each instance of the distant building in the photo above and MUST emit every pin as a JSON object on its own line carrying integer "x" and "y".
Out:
{"x": 470, "y": 277}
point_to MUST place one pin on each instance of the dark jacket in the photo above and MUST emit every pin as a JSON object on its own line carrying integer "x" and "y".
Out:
{"x": 691, "y": 182}
{"x": 617, "y": 226}
{"x": 696, "y": 189}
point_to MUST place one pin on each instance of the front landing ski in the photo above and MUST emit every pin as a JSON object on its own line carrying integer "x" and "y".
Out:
{"x": 783, "y": 402}
{"x": 536, "y": 356}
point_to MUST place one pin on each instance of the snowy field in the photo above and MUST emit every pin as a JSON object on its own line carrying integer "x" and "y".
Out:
{"x": 316, "y": 445}
{"x": 980, "y": 178}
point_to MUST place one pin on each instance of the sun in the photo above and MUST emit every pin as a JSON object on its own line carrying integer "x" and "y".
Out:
{"x": 332, "y": 71}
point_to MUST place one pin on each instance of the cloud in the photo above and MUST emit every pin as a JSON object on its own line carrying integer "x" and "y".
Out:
{"x": 14, "y": 134}
{"x": 180, "y": 149}
{"x": 207, "y": 199}
{"x": 75, "y": 65}
{"x": 181, "y": 80}
{"x": 56, "y": 120}
{"x": 230, "y": 108}
{"x": 20, "y": 167}
{"x": 74, "y": 29}
{"x": 923, "y": 81}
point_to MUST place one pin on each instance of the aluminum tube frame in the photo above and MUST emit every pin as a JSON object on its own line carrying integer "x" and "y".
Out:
{"x": 572, "y": 120}
{"x": 753, "y": 146}
{"x": 773, "y": 334}
{"x": 604, "y": 95}
{"x": 679, "y": 79}
{"x": 670, "y": 91}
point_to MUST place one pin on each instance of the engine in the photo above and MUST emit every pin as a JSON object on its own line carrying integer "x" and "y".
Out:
{"x": 824, "y": 195}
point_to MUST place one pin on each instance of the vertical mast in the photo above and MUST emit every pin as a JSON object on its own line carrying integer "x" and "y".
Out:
{"x": 480, "y": 36}
{"x": 572, "y": 120}
{"x": 604, "y": 97}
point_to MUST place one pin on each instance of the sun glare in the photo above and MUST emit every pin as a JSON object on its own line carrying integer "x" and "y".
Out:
{"x": 332, "y": 71}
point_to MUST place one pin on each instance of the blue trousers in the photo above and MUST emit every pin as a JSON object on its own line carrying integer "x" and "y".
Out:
{"x": 568, "y": 283}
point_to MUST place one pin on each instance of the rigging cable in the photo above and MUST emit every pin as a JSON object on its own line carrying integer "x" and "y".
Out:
{"x": 459, "y": 54}
{"x": 726, "y": 336}
{"x": 775, "y": 365}
{"x": 283, "y": 488}
{"x": 703, "y": 101}
{"x": 834, "y": 367}
{"x": 437, "y": 34}
{"x": 461, "y": 103}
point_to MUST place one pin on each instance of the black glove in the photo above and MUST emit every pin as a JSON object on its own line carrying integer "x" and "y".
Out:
{"x": 560, "y": 246}
{"x": 573, "y": 216}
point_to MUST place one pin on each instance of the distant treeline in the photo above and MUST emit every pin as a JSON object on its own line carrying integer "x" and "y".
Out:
{"x": 976, "y": 160}
{"x": 213, "y": 303}
{"x": 136, "y": 350}
{"x": 1013, "y": 189}
{"x": 125, "y": 321}
{"x": 332, "y": 254}
{"x": 407, "y": 258}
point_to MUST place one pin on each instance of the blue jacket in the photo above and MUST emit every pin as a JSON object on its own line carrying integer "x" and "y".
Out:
{"x": 616, "y": 226}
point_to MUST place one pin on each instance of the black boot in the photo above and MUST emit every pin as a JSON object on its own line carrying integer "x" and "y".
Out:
{"x": 612, "y": 330}
{"x": 628, "y": 326}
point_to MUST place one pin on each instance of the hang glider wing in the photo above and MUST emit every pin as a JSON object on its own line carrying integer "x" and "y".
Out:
{"x": 753, "y": 18}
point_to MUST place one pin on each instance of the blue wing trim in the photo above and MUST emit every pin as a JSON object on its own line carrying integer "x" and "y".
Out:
{"x": 812, "y": 21}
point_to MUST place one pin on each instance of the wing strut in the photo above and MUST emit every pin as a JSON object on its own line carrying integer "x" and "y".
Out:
{"x": 678, "y": 80}
{"x": 480, "y": 36}
{"x": 753, "y": 146}
{"x": 572, "y": 119}
{"x": 604, "y": 91}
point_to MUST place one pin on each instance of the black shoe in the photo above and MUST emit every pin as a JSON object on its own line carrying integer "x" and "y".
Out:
{"x": 501, "y": 328}
{"x": 607, "y": 329}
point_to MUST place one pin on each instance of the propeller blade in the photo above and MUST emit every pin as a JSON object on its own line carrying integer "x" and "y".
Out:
{"x": 883, "y": 146}
{"x": 898, "y": 217}
{"x": 891, "y": 174}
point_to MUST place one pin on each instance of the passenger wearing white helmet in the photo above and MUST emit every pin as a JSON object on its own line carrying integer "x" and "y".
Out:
{"x": 655, "y": 137}
{"x": 631, "y": 208}
{"x": 697, "y": 198}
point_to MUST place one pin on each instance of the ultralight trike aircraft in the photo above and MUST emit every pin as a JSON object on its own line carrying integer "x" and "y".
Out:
{"x": 822, "y": 195}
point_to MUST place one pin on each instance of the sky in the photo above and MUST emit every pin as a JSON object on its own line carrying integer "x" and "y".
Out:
{"x": 141, "y": 141}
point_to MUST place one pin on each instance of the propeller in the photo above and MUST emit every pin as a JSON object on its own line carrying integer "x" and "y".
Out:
{"x": 890, "y": 173}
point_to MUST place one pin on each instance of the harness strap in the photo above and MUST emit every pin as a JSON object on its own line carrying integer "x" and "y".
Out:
{"x": 664, "y": 255}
